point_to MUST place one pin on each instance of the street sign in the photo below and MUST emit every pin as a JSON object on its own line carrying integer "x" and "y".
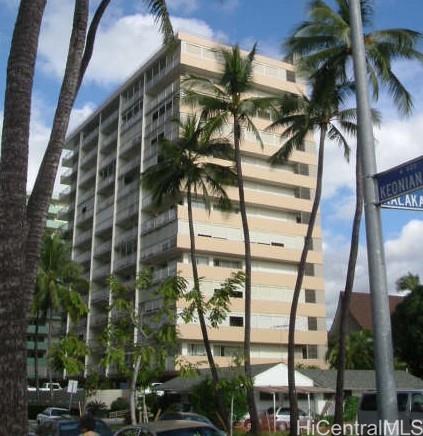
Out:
{"x": 400, "y": 180}
{"x": 72, "y": 387}
{"x": 412, "y": 201}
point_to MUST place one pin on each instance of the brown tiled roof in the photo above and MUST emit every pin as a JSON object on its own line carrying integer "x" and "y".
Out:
{"x": 361, "y": 311}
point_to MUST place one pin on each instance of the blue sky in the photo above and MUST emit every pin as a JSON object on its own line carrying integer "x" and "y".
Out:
{"x": 127, "y": 37}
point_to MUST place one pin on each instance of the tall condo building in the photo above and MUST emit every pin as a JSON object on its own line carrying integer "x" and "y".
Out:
{"x": 116, "y": 231}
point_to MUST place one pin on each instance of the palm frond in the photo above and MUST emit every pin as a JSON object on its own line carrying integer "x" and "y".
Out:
{"x": 335, "y": 135}
{"x": 158, "y": 9}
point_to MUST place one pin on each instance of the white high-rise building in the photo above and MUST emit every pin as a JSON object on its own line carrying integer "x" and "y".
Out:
{"x": 115, "y": 232}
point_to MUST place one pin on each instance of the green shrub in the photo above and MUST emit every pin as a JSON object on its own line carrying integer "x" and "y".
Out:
{"x": 119, "y": 404}
{"x": 350, "y": 408}
{"x": 97, "y": 408}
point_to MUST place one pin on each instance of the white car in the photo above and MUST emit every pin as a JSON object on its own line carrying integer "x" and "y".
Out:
{"x": 51, "y": 413}
{"x": 53, "y": 386}
{"x": 282, "y": 417}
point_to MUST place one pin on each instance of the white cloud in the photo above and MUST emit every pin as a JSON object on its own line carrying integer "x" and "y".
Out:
{"x": 122, "y": 44}
{"x": 397, "y": 142}
{"x": 79, "y": 115}
{"x": 40, "y": 134}
{"x": 403, "y": 255}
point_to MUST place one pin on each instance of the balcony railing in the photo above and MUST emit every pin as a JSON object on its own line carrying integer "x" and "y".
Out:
{"x": 88, "y": 157}
{"x": 101, "y": 272}
{"x": 125, "y": 261}
{"x": 83, "y": 237}
{"x": 158, "y": 221}
{"x": 86, "y": 176}
{"x": 164, "y": 273}
{"x": 159, "y": 248}
{"x": 91, "y": 136}
{"x": 104, "y": 247}
{"x": 101, "y": 295}
{"x": 155, "y": 79}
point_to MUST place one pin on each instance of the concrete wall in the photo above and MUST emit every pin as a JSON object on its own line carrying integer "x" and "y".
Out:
{"x": 109, "y": 395}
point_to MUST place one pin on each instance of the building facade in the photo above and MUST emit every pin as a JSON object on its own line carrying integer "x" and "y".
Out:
{"x": 115, "y": 231}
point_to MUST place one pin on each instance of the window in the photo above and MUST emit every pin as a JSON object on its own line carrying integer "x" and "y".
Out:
{"x": 310, "y": 296}
{"x": 309, "y": 269}
{"x": 196, "y": 350}
{"x": 268, "y": 396}
{"x": 417, "y": 403}
{"x": 277, "y": 244}
{"x": 223, "y": 263}
{"x": 236, "y": 321}
{"x": 310, "y": 352}
{"x": 226, "y": 350}
{"x": 312, "y": 323}
{"x": 202, "y": 260}
{"x": 290, "y": 76}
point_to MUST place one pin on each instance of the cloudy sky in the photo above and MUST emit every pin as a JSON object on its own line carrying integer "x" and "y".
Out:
{"x": 128, "y": 36}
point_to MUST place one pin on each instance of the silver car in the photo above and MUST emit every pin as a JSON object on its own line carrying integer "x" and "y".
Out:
{"x": 51, "y": 413}
{"x": 170, "y": 428}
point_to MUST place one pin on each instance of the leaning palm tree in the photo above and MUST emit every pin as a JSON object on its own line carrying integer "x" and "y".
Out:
{"x": 229, "y": 99}
{"x": 299, "y": 116}
{"x": 58, "y": 286}
{"x": 325, "y": 41}
{"x": 184, "y": 167}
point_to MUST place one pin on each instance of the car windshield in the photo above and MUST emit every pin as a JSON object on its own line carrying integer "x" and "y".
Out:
{"x": 58, "y": 412}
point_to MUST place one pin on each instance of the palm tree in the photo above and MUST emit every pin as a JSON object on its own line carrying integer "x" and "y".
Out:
{"x": 299, "y": 116}
{"x": 183, "y": 167}
{"x": 228, "y": 100}
{"x": 22, "y": 224}
{"x": 325, "y": 41}
{"x": 58, "y": 286}
{"x": 358, "y": 351}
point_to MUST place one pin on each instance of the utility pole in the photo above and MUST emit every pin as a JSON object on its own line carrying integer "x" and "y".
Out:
{"x": 384, "y": 362}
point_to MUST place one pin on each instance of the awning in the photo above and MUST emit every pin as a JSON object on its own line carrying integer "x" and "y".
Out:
{"x": 300, "y": 389}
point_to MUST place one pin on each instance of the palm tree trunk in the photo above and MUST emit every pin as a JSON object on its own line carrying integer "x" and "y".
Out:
{"x": 13, "y": 180}
{"x": 293, "y": 403}
{"x": 36, "y": 374}
{"x": 200, "y": 311}
{"x": 346, "y": 299}
{"x": 255, "y": 425}
{"x": 133, "y": 391}
{"x": 50, "y": 377}
{"x": 39, "y": 200}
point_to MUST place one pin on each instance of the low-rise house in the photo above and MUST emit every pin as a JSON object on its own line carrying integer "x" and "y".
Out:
{"x": 315, "y": 387}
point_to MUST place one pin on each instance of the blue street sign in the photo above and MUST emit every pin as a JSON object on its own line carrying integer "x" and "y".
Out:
{"x": 412, "y": 201}
{"x": 400, "y": 180}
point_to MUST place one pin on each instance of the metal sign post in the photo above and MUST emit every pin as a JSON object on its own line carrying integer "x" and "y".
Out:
{"x": 385, "y": 381}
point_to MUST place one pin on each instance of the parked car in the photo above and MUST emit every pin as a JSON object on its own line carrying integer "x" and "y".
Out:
{"x": 184, "y": 416}
{"x": 51, "y": 386}
{"x": 51, "y": 413}
{"x": 70, "y": 427}
{"x": 187, "y": 416}
{"x": 410, "y": 411}
{"x": 170, "y": 428}
{"x": 279, "y": 421}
